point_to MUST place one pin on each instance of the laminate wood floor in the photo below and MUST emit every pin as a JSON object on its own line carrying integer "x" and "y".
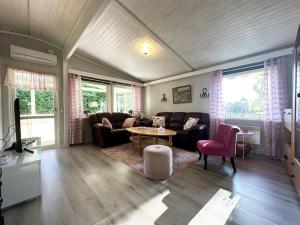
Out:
{"x": 83, "y": 186}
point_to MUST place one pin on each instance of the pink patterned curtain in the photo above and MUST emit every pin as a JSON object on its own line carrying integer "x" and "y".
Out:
{"x": 216, "y": 102}
{"x": 76, "y": 114}
{"x": 275, "y": 89}
{"x": 136, "y": 99}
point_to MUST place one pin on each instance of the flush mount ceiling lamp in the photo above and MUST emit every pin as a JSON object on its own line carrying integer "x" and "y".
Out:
{"x": 146, "y": 48}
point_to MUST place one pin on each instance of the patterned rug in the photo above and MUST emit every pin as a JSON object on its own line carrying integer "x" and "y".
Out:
{"x": 129, "y": 154}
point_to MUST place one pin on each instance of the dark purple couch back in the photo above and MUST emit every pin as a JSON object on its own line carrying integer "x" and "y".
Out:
{"x": 116, "y": 119}
{"x": 177, "y": 120}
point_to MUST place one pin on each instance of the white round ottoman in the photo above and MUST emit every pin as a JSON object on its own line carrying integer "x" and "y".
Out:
{"x": 158, "y": 162}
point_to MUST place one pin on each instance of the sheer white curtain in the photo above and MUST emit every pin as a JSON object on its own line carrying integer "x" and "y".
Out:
{"x": 216, "y": 103}
{"x": 19, "y": 78}
{"x": 76, "y": 114}
{"x": 275, "y": 89}
{"x": 136, "y": 99}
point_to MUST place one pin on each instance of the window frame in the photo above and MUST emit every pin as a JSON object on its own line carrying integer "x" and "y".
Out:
{"x": 114, "y": 105}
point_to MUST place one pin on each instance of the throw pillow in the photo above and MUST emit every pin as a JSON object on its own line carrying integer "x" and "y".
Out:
{"x": 190, "y": 123}
{"x": 158, "y": 121}
{"x": 105, "y": 122}
{"x": 129, "y": 122}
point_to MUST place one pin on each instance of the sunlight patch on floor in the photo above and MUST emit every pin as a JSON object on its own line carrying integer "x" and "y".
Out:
{"x": 217, "y": 210}
{"x": 145, "y": 214}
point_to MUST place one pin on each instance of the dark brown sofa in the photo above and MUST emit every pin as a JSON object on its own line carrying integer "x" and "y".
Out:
{"x": 186, "y": 139}
{"x": 103, "y": 136}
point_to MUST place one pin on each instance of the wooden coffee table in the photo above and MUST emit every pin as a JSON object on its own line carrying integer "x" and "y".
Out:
{"x": 139, "y": 132}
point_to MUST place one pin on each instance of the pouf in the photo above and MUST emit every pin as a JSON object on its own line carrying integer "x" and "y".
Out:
{"x": 158, "y": 162}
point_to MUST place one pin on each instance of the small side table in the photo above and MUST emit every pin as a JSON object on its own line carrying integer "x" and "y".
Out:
{"x": 246, "y": 135}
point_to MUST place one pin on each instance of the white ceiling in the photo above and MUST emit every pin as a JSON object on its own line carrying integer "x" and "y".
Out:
{"x": 50, "y": 20}
{"x": 183, "y": 35}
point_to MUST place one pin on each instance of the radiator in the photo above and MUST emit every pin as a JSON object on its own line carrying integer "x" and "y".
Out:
{"x": 253, "y": 129}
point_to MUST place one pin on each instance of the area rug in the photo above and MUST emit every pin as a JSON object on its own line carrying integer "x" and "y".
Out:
{"x": 129, "y": 155}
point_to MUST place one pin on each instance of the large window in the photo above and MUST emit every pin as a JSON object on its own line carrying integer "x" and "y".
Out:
{"x": 94, "y": 97}
{"x": 122, "y": 99}
{"x": 243, "y": 95}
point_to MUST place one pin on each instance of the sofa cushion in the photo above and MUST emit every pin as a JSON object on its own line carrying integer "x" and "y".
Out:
{"x": 129, "y": 122}
{"x": 158, "y": 121}
{"x": 193, "y": 115}
{"x": 167, "y": 115}
{"x": 190, "y": 123}
{"x": 176, "y": 120}
{"x": 106, "y": 122}
{"x": 118, "y": 119}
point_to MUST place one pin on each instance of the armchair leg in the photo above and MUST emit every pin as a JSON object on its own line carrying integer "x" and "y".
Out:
{"x": 200, "y": 155}
{"x": 205, "y": 162}
{"x": 232, "y": 163}
{"x": 223, "y": 157}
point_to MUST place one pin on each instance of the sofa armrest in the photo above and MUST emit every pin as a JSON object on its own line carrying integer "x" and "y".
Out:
{"x": 99, "y": 133}
{"x": 199, "y": 131}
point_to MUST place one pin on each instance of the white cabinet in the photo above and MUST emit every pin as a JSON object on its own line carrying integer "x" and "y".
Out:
{"x": 21, "y": 178}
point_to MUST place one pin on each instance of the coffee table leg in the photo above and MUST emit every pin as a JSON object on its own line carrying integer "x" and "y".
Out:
{"x": 156, "y": 141}
{"x": 170, "y": 141}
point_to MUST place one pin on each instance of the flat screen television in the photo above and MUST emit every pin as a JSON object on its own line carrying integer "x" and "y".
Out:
{"x": 17, "y": 145}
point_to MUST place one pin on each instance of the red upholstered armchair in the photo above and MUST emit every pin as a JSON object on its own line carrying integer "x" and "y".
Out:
{"x": 224, "y": 145}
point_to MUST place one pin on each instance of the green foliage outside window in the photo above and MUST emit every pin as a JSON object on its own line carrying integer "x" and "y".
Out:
{"x": 25, "y": 100}
{"x": 94, "y": 98}
{"x": 89, "y": 97}
{"x": 44, "y": 102}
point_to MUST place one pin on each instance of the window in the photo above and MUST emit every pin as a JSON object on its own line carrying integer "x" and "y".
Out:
{"x": 123, "y": 99}
{"x": 33, "y": 102}
{"x": 37, "y": 115}
{"x": 94, "y": 97}
{"x": 243, "y": 95}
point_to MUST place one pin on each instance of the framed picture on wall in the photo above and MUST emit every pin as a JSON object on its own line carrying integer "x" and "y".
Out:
{"x": 182, "y": 94}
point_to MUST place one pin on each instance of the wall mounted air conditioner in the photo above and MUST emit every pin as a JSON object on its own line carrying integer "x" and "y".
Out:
{"x": 25, "y": 54}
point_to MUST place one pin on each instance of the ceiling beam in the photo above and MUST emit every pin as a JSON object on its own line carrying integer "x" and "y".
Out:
{"x": 235, "y": 63}
{"x": 91, "y": 14}
{"x": 158, "y": 39}
{"x": 103, "y": 77}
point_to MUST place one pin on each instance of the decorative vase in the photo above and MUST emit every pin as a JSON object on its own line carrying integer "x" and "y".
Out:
{"x": 161, "y": 129}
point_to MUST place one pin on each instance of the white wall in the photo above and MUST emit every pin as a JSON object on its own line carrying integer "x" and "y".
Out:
{"x": 154, "y": 94}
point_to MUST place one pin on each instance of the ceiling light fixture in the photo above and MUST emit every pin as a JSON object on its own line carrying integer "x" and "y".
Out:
{"x": 146, "y": 48}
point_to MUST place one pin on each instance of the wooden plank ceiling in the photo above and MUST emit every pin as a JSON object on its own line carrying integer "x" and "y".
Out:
{"x": 182, "y": 35}
{"x": 50, "y": 20}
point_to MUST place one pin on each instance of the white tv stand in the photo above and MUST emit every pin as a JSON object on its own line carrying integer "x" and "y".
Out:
{"x": 21, "y": 177}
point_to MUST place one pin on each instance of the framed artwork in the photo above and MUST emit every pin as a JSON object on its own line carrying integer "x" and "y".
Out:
{"x": 182, "y": 94}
